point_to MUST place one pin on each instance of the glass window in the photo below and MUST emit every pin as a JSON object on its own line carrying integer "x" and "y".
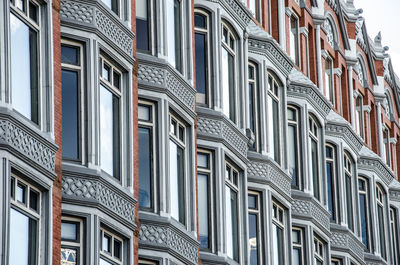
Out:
{"x": 110, "y": 120}
{"x": 228, "y": 73}
{"x": 71, "y": 78}
{"x": 255, "y": 228}
{"x": 331, "y": 179}
{"x": 253, "y": 103}
{"x": 273, "y": 105}
{"x": 294, "y": 40}
{"x": 278, "y": 233}
{"x": 386, "y": 146}
{"x": 201, "y": 36}
{"x": 204, "y": 175}
{"x": 315, "y": 154}
{"x": 329, "y": 81}
{"x": 24, "y": 223}
{"x": 174, "y": 25}
{"x": 146, "y": 154}
{"x": 294, "y": 146}
{"x": 143, "y": 24}
{"x": 348, "y": 172}
{"x": 319, "y": 251}
{"x": 113, "y": 5}
{"x": 24, "y": 58}
{"x": 363, "y": 194}
{"x": 177, "y": 169}
{"x": 298, "y": 246}
{"x": 231, "y": 211}
{"x": 71, "y": 240}
{"x": 380, "y": 199}
{"x": 111, "y": 248}
{"x": 394, "y": 232}
{"x": 359, "y": 119}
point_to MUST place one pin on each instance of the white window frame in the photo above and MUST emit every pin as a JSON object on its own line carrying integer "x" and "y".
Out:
{"x": 296, "y": 124}
{"x": 380, "y": 201}
{"x": 335, "y": 188}
{"x": 365, "y": 191}
{"x": 258, "y": 212}
{"x": 279, "y": 220}
{"x": 274, "y": 94}
{"x": 78, "y": 245}
{"x": 300, "y": 245}
{"x": 349, "y": 172}
{"x": 110, "y": 256}
{"x": 314, "y": 135}
{"x": 254, "y": 82}
{"x": 319, "y": 250}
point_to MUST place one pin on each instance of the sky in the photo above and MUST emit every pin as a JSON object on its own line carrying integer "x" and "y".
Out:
{"x": 384, "y": 16}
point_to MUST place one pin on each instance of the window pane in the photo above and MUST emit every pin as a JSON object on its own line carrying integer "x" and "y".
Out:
{"x": 231, "y": 223}
{"x": 24, "y": 69}
{"x": 104, "y": 262}
{"x": 171, "y": 31}
{"x": 178, "y": 34}
{"x": 21, "y": 193}
{"x": 349, "y": 201}
{"x": 70, "y": 110}
{"x": 381, "y": 232}
{"x": 142, "y": 24}
{"x": 69, "y": 55}
{"x": 251, "y": 107}
{"x": 117, "y": 249}
{"x": 200, "y": 21}
{"x": 33, "y": 200}
{"x": 107, "y": 243}
{"x": 331, "y": 194}
{"x": 201, "y": 66}
{"x": 68, "y": 256}
{"x": 176, "y": 172}
{"x": 203, "y": 210}
{"x": 228, "y": 84}
{"x": 145, "y": 168}
{"x": 69, "y": 231}
{"x": 252, "y": 202}
{"x": 296, "y": 256}
{"x": 33, "y": 12}
{"x": 364, "y": 220}
{"x": 293, "y": 159}
{"x": 314, "y": 168}
{"x": 144, "y": 113}
{"x": 22, "y": 239}
{"x": 253, "y": 238}
{"x": 109, "y": 132}
{"x": 202, "y": 160}
{"x": 278, "y": 248}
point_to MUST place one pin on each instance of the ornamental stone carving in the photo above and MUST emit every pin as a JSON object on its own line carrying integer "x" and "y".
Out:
{"x": 313, "y": 96}
{"x": 93, "y": 16}
{"x": 346, "y": 133}
{"x": 156, "y": 236}
{"x": 377, "y": 166}
{"x": 162, "y": 76}
{"x": 307, "y": 208}
{"x": 238, "y": 12}
{"x": 27, "y": 143}
{"x": 344, "y": 240}
{"x": 96, "y": 190}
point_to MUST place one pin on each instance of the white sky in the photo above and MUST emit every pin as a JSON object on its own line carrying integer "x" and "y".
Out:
{"x": 384, "y": 16}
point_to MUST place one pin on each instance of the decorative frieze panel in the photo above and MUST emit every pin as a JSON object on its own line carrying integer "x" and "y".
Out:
{"x": 270, "y": 173}
{"x": 219, "y": 127}
{"x": 344, "y": 240}
{"x": 92, "y": 16}
{"x": 377, "y": 166}
{"x": 313, "y": 96}
{"x": 164, "y": 236}
{"x": 268, "y": 47}
{"x": 344, "y": 132}
{"x": 238, "y": 11}
{"x": 162, "y": 76}
{"x": 307, "y": 208}
{"x": 96, "y": 190}
{"x": 27, "y": 143}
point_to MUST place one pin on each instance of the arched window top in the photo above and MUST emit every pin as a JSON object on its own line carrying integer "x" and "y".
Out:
{"x": 274, "y": 84}
{"x": 229, "y": 37}
{"x": 201, "y": 19}
{"x": 362, "y": 184}
{"x": 348, "y": 163}
{"x": 313, "y": 126}
{"x": 380, "y": 194}
{"x": 329, "y": 30}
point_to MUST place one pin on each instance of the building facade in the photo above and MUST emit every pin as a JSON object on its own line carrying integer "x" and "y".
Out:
{"x": 172, "y": 132}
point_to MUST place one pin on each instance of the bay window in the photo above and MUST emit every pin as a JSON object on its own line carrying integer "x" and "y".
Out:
{"x": 146, "y": 120}
{"x": 329, "y": 81}
{"x": 24, "y": 57}
{"x": 110, "y": 119}
{"x": 255, "y": 228}
{"x": 143, "y": 24}
{"x": 24, "y": 223}
{"x": 177, "y": 168}
{"x": 72, "y": 97}
{"x": 319, "y": 251}
{"x": 174, "y": 35}
{"x": 294, "y": 40}
{"x": 114, "y": 5}
{"x": 71, "y": 241}
{"x": 380, "y": 200}
{"x": 202, "y": 49}
{"x": 314, "y": 132}
{"x": 278, "y": 234}
{"x": 365, "y": 219}
{"x": 273, "y": 105}
{"x": 359, "y": 119}
{"x": 232, "y": 210}
{"x": 332, "y": 182}
{"x": 228, "y": 72}
{"x": 204, "y": 180}
{"x": 298, "y": 246}
{"x": 394, "y": 232}
{"x": 294, "y": 146}
{"x": 253, "y": 102}
{"x": 111, "y": 248}
{"x": 348, "y": 173}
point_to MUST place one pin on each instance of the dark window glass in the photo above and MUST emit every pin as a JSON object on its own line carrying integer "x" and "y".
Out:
{"x": 145, "y": 167}
{"x": 116, "y": 138}
{"x": 252, "y": 202}
{"x": 70, "y": 55}
{"x": 201, "y": 65}
{"x": 364, "y": 220}
{"x": 142, "y": 25}
{"x": 33, "y": 12}
{"x": 117, "y": 249}
{"x": 278, "y": 245}
{"x": 200, "y": 21}
{"x": 203, "y": 210}
{"x": 253, "y": 238}
{"x": 314, "y": 166}
{"x": 251, "y": 107}
{"x": 70, "y": 110}
{"x": 331, "y": 196}
{"x": 178, "y": 35}
{"x": 34, "y": 200}
{"x": 349, "y": 201}
{"x": 381, "y": 232}
{"x": 232, "y": 102}
{"x": 235, "y": 245}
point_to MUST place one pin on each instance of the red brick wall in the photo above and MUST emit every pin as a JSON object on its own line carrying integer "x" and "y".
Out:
{"x": 56, "y": 255}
